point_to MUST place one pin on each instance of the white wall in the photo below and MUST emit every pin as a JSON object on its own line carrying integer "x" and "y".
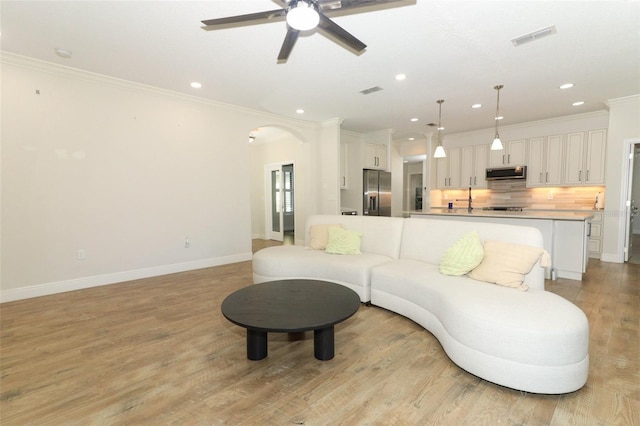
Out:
{"x": 624, "y": 125}
{"x": 122, "y": 171}
{"x": 326, "y": 167}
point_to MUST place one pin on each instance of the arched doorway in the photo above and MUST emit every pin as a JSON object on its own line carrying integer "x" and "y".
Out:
{"x": 273, "y": 152}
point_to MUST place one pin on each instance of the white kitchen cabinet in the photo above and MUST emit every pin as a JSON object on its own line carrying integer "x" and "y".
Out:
{"x": 448, "y": 170}
{"x": 473, "y": 165}
{"x": 375, "y": 156}
{"x": 344, "y": 152}
{"x": 596, "y": 234}
{"x": 544, "y": 167}
{"x": 596, "y": 153}
{"x": 513, "y": 154}
{"x": 585, "y": 158}
{"x": 570, "y": 248}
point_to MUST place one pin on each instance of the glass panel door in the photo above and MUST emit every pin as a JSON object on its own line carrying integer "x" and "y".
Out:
{"x": 274, "y": 209}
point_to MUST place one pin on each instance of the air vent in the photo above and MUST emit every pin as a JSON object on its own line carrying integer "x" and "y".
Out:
{"x": 371, "y": 90}
{"x": 535, "y": 35}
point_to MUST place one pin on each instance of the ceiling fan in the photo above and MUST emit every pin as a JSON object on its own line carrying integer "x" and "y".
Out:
{"x": 302, "y": 15}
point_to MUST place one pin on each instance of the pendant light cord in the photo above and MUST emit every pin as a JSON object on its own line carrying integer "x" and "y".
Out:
{"x": 497, "y": 109}
{"x": 440, "y": 101}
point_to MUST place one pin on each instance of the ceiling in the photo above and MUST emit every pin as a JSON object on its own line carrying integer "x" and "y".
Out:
{"x": 452, "y": 50}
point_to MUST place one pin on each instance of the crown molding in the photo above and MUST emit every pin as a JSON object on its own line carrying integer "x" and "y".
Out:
{"x": 105, "y": 80}
{"x": 633, "y": 99}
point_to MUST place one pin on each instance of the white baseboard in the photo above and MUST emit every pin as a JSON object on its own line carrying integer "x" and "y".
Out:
{"x": 116, "y": 277}
{"x": 611, "y": 257}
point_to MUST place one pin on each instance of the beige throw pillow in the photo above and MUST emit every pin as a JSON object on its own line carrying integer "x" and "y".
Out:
{"x": 319, "y": 235}
{"x": 506, "y": 264}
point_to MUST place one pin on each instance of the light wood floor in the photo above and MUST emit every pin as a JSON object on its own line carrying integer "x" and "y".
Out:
{"x": 158, "y": 351}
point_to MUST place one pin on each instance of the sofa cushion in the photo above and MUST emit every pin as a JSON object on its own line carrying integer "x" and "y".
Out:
{"x": 289, "y": 261}
{"x": 506, "y": 264}
{"x": 343, "y": 241}
{"x": 319, "y": 235}
{"x": 380, "y": 235}
{"x": 463, "y": 256}
{"x": 510, "y": 325}
{"x": 427, "y": 239}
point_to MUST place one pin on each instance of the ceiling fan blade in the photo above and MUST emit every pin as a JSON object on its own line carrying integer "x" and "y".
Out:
{"x": 240, "y": 19}
{"x": 328, "y": 5}
{"x": 289, "y": 40}
{"x": 340, "y": 33}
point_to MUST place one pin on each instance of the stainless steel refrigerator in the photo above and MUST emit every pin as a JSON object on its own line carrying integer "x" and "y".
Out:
{"x": 376, "y": 199}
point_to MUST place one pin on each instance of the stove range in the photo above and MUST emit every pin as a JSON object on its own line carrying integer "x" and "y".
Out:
{"x": 503, "y": 208}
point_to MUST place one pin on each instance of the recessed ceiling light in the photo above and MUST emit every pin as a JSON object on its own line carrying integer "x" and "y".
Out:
{"x": 196, "y": 85}
{"x": 299, "y": 111}
{"x": 578, "y": 103}
{"x": 414, "y": 119}
{"x": 441, "y": 128}
{"x": 412, "y": 139}
{"x": 63, "y": 53}
{"x": 499, "y": 118}
{"x": 567, "y": 86}
{"x": 401, "y": 77}
{"x": 476, "y": 106}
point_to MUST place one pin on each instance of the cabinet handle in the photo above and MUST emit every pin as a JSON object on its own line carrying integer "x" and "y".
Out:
{"x": 475, "y": 180}
{"x": 540, "y": 178}
{"x": 580, "y": 175}
{"x": 503, "y": 158}
{"x": 587, "y": 175}
{"x": 547, "y": 177}
{"x": 509, "y": 159}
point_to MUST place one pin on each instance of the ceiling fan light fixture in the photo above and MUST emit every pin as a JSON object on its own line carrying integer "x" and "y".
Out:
{"x": 302, "y": 15}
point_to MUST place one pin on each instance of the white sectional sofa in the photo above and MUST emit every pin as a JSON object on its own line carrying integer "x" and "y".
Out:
{"x": 532, "y": 340}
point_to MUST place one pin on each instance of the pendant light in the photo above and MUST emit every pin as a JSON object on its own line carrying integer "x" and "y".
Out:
{"x": 497, "y": 143}
{"x": 439, "y": 149}
{"x": 302, "y": 15}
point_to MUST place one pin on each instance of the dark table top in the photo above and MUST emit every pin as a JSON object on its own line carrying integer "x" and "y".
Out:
{"x": 290, "y": 305}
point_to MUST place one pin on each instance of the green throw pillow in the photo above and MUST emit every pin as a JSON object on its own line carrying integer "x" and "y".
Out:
{"x": 463, "y": 256}
{"x": 343, "y": 241}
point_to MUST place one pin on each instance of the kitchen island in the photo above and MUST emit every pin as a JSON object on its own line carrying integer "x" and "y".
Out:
{"x": 565, "y": 233}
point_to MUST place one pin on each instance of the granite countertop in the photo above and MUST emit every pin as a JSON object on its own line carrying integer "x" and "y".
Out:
{"x": 526, "y": 214}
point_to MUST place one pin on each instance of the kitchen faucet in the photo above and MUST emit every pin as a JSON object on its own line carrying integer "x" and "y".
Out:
{"x": 469, "y": 208}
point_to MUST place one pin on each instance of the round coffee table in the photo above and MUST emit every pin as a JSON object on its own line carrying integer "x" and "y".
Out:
{"x": 290, "y": 306}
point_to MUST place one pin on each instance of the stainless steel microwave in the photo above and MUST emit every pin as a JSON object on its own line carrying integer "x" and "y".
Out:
{"x": 517, "y": 172}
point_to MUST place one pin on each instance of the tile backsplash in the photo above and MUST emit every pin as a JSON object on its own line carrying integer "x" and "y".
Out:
{"x": 516, "y": 194}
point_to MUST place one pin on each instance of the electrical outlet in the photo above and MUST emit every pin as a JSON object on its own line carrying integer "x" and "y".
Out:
{"x": 550, "y": 195}
{"x": 81, "y": 254}
{"x": 187, "y": 244}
